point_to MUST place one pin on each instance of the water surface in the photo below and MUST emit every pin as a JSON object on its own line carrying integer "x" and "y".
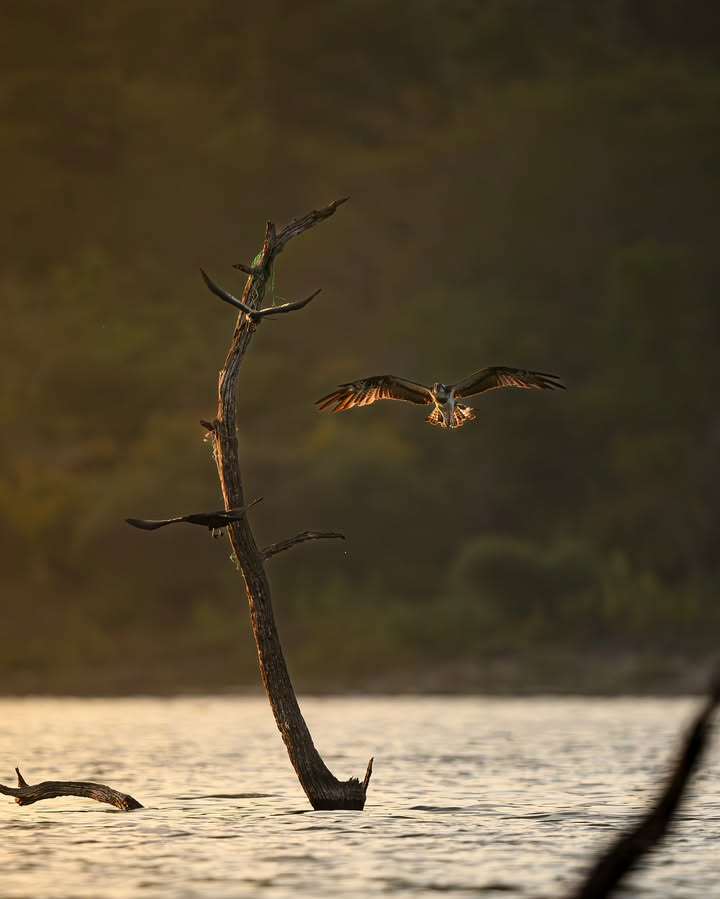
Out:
{"x": 470, "y": 797}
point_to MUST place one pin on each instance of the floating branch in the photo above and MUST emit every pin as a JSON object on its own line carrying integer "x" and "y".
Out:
{"x": 282, "y": 545}
{"x": 26, "y": 794}
{"x": 322, "y": 788}
{"x": 213, "y": 521}
{"x": 631, "y": 846}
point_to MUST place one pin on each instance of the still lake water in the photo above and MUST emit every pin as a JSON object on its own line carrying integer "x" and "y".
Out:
{"x": 470, "y": 797}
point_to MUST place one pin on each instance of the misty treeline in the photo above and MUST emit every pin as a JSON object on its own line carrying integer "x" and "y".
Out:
{"x": 532, "y": 184}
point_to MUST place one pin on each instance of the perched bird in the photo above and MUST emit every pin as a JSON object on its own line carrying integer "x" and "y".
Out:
{"x": 448, "y": 413}
{"x": 213, "y": 521}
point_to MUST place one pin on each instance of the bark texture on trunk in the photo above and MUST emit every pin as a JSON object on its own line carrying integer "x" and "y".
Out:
{"x": 322, "y": 788}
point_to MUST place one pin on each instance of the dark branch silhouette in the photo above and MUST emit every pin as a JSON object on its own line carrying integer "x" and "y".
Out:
{"x": 27, "y": 794}
{"x": 298, "y": 225}
{"x": 282, "y": 545}
{"x": 632, "y": 845}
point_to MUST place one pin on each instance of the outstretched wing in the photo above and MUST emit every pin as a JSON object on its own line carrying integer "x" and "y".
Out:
{"x": 217, "y": 519}
{"x": 369, "y": 390}
{"x": 150, "y": 524}
{"x": 498, "y": 376}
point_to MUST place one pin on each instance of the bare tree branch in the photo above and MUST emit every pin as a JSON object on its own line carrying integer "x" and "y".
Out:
{"x": 632, "y": 845}
{"x": 298, "y": 225}
{"x": 27, "y": 794}
{"x": 282, "y": 545}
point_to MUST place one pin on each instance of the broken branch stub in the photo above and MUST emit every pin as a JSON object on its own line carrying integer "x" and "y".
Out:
{"x": 322, "y": 788}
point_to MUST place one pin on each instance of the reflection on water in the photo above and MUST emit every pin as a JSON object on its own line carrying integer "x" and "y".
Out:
{"x": 470, "y": 796}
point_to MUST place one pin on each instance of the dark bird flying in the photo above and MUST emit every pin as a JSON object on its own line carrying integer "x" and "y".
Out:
{"x": 447, "y": 412}
{"x": 213, "y": 521}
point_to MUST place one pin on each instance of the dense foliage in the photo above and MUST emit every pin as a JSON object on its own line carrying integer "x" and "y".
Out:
{"x": 533, "y": 184}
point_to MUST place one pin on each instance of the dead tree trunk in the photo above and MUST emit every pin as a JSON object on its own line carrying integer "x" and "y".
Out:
{"x": 323, "y": 789}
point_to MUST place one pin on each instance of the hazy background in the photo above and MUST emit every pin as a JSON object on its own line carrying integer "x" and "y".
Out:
{"x": 533, "y": 184}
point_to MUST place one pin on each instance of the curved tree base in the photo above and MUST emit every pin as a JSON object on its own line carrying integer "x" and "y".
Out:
{"x": 27, "y": 794}
{"x": 348, "y": 794}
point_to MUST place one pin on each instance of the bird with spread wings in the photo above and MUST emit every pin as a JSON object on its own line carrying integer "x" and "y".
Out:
{"x": 213, "y": 521}
{"x": 447, "y": 412}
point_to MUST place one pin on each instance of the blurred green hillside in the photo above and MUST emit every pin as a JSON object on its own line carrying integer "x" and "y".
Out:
{"x": 533, "y": 184}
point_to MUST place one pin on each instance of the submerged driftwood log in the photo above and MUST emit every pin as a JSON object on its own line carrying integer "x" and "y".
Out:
{"x": 322, "y": 788}
{"x": 629, "y": 848}
{"x": 26, "y": 794}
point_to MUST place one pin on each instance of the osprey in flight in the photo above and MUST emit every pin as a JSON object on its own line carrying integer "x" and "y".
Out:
{"x": 447, "y": 412}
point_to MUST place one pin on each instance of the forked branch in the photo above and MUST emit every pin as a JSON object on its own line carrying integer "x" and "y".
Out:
{"x": 27, "y": 794}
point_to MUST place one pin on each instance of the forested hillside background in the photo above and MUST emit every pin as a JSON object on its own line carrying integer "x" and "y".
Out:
{"x": 533, "y": 184}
